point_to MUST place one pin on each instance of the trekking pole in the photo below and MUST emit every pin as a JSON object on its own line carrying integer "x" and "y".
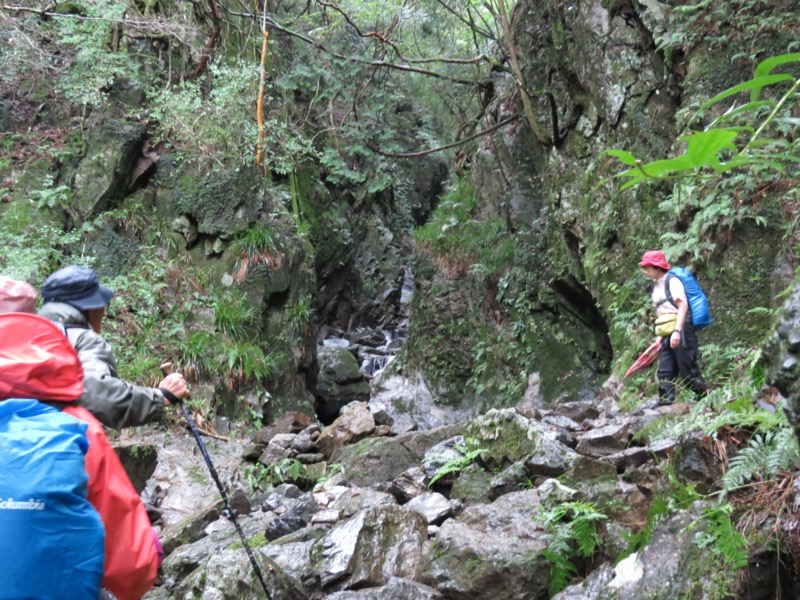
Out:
{"x": 228, "y": 511}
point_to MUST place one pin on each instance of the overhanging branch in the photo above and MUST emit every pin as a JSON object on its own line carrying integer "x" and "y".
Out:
{"x": 375, "y": 63}
{"x": 460, "y": 142}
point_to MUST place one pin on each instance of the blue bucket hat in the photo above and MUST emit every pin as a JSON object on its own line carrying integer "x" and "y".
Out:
{"x": 76, "y": 286}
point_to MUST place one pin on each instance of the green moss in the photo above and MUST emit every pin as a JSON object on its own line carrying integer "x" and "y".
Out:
{"x": 505, "y": 437}
{"x": 257, "y": 541}
{"x": 196, "y": 475}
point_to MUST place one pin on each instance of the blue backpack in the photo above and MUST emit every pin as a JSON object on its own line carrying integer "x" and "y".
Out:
{"x": 52, "y": 542}
{"x": 699, "y": 309}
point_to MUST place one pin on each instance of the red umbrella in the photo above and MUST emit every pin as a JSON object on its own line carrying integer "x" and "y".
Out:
{"x": 646, "y": 359}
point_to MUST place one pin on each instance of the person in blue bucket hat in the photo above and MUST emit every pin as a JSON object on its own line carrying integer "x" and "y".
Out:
{"x": 74, "y": 297}
{"x": 80, "y": 288}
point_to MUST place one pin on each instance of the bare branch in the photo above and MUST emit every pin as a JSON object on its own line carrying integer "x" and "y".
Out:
{"x": 373, "y": 34}
{"x": 208, "y": 51}
{"x": 468, "y": 22}
{"x": 380, "y": 63}
{"x": 157, "y": 26}
{"x": 460, "y": 142}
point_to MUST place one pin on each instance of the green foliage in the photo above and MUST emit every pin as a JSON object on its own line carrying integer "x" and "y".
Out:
{"x": 256, "y": 417}
{"x": 765, "y": 456}
{"x": 660, "y": 509}
{"x": 52, "y": 198}
{"x": 34, "y": 242}
{"x": 460, "y": 240}
{"x": 146, "y": 324}
{"x": 718, "y": 149}
{"x": 220, "y": 124}
{"x": 235, "y": 316}
{"x": 300, "y": 314}
{"x": 257, "y": 541}
{"x": 91, "y": 68}
{"x": 369, "y": 106}
{"x": 674, "y": 495}
{"x": 261, "y": 477}
{"x": 630, "y": 326}
{"x": 456, "y": 465}
{"x": 744, "y": 27}
{"x": 735, "y": 375}
{"x": 331, "y": 470}
{"x": 500, "y": 361}
{"x": 257, "y": 245}
{"x": 720, "y": 536}
{"x": 574, "y": 535}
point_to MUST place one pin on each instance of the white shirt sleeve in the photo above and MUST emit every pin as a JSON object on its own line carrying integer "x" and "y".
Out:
{"x": 677, "y": 290}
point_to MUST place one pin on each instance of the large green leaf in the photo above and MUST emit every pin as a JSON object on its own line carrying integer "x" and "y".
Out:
{"x": 704, "y": 146}
{"x": 753, "y": 85}
{"x": 624, "y": 157}
{"x": 765, "y": 66}
{"x": 732, "y": 112}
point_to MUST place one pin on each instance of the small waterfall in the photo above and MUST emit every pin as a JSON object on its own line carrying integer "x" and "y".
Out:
{"x": 408, "y": 286}
{"x": 375, "y": 359}
{"x": 373, "y": 364}
{"x": 373, "y": 348}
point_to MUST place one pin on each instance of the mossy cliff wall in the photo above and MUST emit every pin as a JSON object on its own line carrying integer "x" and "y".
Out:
{"x": 602, "y": 74}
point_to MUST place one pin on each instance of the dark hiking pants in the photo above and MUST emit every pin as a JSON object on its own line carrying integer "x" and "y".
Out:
{"x": 679, "y": 365}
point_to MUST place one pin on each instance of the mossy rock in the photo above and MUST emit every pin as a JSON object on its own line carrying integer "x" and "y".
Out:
{"x": 103, "y": 176}
{"x": 221, "y": 202}
{"x": 505, "y": 435}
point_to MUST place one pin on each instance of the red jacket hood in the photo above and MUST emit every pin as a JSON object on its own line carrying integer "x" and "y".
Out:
{"x": 37, "y": 360}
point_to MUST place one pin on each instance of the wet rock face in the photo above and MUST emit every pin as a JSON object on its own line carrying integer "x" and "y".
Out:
{"x": 378, "y": 529}
{"x": 103, "y": 175}
{"x": 782, "y": 354}
{"x": 465, "y": 562}
{"x": 139, "y": 462}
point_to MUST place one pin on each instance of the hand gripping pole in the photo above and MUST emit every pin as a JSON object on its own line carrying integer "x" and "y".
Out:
{"x": 228, "y": 511}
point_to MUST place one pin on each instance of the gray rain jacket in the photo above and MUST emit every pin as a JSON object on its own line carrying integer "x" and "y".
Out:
{"x": 115, "y": 402}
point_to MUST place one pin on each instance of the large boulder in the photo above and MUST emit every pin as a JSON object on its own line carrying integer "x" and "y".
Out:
{"x": 104, "y": 174}
{"x": 340, "y": 381}
{"x": 372, "y": 547}
{"x": 473, "y": 557}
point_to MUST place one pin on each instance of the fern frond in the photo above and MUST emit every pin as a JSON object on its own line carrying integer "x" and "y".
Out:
{"x": 456, "y": 465}
{"x": 723, "y": 537}
{"x": 765, "y": 456}
{"x": 561, "y": 571}
{"x": 572, "y": 532}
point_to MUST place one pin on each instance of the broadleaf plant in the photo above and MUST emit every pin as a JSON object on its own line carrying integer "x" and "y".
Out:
{"x": 717, "y": 149}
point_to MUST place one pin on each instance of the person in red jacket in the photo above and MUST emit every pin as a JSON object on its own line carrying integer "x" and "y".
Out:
{"x": 131, "y": 548}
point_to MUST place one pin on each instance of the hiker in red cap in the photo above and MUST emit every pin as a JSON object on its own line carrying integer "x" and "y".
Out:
{"x": 677, "y": 355}
{"x": 16, "y": 296}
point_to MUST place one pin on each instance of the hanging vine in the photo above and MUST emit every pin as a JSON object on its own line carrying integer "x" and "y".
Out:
{"x": 262, "y": 11}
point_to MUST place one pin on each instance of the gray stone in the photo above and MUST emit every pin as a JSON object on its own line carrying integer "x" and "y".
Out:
{"x": 355, "y": 423}
{"x": 354, "y": 500}
{"x": 409, "y": 484}
{"x": 489, "y": 551}
{"x": 340, "y": 381}
{"x": 433, "y": 506}
{"x": 603, "y": 441}
{"x": 396, "y": 589}
{"x": 372, "y": 547}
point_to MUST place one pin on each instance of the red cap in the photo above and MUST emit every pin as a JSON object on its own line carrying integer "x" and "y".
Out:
{"x": 16, "y": 296}
{"x": 655, "y": 258}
